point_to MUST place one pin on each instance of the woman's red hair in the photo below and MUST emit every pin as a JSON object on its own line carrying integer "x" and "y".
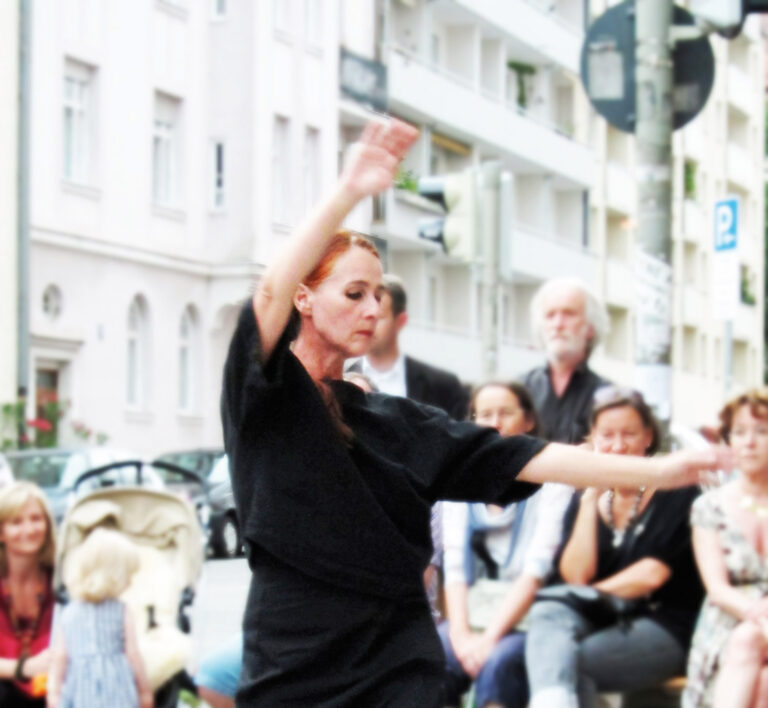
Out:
{"x": 341, "y": 242}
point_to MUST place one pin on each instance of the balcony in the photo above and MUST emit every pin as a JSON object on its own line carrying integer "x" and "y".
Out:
{"x": 428, "y": 93}
{"x": 619, "y": 188}
{"x": 396, "y": 217}
{"x": 692, "y": 307}
{"x": 619, "y": 283}
{"x": 693, "y": 221}
{"x": 740, "y": 170}
{"x": 532, "y": 254}
{"x": 536, "y": 25}
{"x": 740, "y": 93}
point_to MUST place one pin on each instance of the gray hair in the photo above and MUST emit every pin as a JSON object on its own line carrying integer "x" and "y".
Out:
{"x": 594, "y": 311}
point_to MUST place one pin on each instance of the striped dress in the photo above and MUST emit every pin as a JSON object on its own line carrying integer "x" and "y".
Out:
{"x": 98, "y": 673}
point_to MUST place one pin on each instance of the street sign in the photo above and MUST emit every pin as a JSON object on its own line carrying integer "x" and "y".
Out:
{"x": 725, "y": 260}
{"x": 608, "y": 68}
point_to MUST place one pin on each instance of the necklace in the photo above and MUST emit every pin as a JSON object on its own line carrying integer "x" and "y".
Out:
{"x": 23, "y": 628}
{"x": 749, "y": 503}
{"x": 618, "y": 534}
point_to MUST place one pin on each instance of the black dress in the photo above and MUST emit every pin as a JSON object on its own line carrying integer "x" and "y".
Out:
{"x": 337, "y": 535}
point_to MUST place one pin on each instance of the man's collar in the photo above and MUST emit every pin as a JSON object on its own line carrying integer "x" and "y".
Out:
{"x": 397, "y": 367}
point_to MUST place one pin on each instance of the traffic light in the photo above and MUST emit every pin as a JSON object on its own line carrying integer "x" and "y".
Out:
{"x": 457, "y": 194}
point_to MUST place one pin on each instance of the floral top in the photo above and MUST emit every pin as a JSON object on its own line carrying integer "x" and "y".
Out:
{"x": 747, "y": 570}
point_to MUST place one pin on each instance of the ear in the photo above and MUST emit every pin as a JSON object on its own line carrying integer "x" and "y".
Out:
{"x": 401, "y": 320}
{"x": 302, "y": 300}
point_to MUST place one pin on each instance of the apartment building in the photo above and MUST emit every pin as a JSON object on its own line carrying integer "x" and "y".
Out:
{"x": 9, "y": 82}
{"x": 174, "y": 144}
{"x": 484, "y": 84}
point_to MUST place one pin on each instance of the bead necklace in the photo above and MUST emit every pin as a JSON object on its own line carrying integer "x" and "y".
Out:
{"x": 749, "y": 503}
{"x": 618, "y": 534}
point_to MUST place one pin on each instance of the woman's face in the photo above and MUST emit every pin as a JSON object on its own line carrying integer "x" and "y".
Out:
{"x": 25, "y": 532}
{"x": 620, "y": 431}
{"x": 749, "y": 440}
{"x": 497, "y": 407}
{"x": 345, "y": 307}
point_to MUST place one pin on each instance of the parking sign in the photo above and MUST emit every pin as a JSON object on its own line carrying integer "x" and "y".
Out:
{"x": 725, "y": 261}
{"x": 726, "y": 224}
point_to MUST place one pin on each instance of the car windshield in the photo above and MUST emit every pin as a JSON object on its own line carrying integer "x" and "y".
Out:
{"x": 201, "y": 463}
{"x": 220, "y": 471}
{"x": 47, "y": 470}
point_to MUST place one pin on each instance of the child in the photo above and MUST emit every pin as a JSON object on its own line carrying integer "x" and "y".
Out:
{"x": 96, "y": 659}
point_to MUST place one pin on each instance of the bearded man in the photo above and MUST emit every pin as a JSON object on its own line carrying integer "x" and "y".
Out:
{"x": 568, "y": 322}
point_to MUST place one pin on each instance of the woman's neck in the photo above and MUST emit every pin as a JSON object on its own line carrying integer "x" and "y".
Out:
{"x": 756, "y": 486}
{"x": 320, "y": 362}
{"x": 23, "y": 569}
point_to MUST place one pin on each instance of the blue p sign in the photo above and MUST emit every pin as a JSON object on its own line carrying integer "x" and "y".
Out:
{"x": 726, "y": 224}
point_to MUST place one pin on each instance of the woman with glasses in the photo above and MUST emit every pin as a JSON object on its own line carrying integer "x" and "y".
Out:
{"x": 727, "y": 665}
{"x": 512, "y": 546}
{"x": 633, "y": 545}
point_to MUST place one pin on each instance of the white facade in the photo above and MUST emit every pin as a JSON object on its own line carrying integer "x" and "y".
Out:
{"x": 9, "y": 82}
{"x": 175, "y": 143}
{"x": 447, "y": 64}
{"x": 153, "y": 198}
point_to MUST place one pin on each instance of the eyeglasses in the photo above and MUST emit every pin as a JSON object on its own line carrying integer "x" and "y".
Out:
{"x": 608, "y": 395}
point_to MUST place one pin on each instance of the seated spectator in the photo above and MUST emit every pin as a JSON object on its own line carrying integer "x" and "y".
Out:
{"x": 219, "y": 672}
{"x": 27, "y": 549}
{"x": 517, "y": 544}
{"x": 631, "y": 545}
{"x": 727, "y": 665}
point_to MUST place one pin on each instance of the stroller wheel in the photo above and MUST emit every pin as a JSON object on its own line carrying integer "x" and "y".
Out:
{"x": 227, "y": 542}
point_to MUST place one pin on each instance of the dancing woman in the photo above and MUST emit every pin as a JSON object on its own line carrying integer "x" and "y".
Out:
{"x": 334, "y": 486}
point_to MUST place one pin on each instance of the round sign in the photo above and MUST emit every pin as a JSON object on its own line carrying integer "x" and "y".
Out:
{"x": 608, "y": 68}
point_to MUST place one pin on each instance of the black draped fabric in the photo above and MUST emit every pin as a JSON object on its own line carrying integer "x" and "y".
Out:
{"x": 346, "y": 520}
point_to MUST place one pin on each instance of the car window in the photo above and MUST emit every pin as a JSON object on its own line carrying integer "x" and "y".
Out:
{"x": 45, "y": 470}
{"x": 220, "y": 471}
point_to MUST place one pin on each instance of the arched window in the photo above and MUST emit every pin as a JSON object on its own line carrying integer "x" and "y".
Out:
{"x": 136, "y": 353}
{"x": 188, "y": 358}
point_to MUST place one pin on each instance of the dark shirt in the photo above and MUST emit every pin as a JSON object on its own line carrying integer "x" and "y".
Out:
{"x": 356, "y": 516}
{"x": 564, "y": 418}
{"x": 662, "y": 532}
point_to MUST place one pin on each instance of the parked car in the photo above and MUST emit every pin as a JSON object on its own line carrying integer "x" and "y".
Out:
{"x": 226, "y": 540}
{"x": 200, "y": 461}
{"x": 56, "y": 470}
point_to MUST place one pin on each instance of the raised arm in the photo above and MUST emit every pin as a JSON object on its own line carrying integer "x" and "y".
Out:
{"x": 581, "y": 468}
{"x": 370, "y": 168}
{"x": 578, "y": 564}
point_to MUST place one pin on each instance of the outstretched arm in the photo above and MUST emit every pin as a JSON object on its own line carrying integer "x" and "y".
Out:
{"x": 581, "y": 468}
{"x": 369, "y": 170}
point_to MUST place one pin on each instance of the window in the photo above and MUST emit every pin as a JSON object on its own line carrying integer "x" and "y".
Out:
{"x": 313, "y": 22}
{"x": 187, "y": 352}
{"x": 281, "y": 173}
{"x": 218, "y": 195}
{"x": 281, "y": 10}
{"x": 78, "y": 85}
{"x": 52, "y": 301}
{"x": 164, "y": 146}
{"x": 311, "y": 168}
{"x": 218, "y": 9}
{"x": 136, "y": 352}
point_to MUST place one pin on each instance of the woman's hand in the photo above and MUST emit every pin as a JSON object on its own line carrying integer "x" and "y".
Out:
{"x": 684, "y": 468}
{"x": 373, "y": 160}
{"x": 472, "y": 650}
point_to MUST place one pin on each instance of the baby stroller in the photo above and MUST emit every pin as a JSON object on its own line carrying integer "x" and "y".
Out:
{"x": 167, "y": 534}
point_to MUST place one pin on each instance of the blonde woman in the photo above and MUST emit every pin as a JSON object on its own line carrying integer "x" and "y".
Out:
{"x": 727, "y": 665}
{"x": 96, "y": 659}
{"x": 27, "y": 549}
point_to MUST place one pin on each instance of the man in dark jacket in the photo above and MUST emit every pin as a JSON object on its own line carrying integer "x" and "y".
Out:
{"x": 399, "y": 375}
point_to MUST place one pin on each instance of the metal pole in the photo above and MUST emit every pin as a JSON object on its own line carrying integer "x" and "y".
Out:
{"x": 653, "y": 253}
{"x": 25, "y": 21}
{"x": 490, "y": 222}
